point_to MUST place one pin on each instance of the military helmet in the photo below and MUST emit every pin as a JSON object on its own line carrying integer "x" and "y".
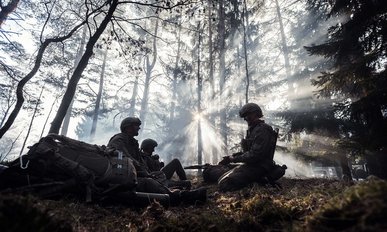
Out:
{"x": 148, "y": 143}
{"x": 129, "y": 121}
{"x": 249, "y": 108}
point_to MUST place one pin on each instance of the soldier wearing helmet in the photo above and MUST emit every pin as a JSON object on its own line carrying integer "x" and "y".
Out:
{"x": 154, "y": 165}
{"x": 126, "y": 143}
{"x": 257, "y": 156}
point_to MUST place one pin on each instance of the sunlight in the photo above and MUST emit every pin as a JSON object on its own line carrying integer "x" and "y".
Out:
{"x": 198, "y": 116}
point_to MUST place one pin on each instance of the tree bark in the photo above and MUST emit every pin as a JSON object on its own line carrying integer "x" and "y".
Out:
{"x": 66, "y": 122}
{"x": 149, "y": 67}
{"x": 132, "y": 107}
{"x": 222, "y": 74}
{"x": 174, "y": 83}
{"x": 245, "y": 24}
{"x": 285, "y": 49}
{"x": 32, "y": 121}
{"x": 72, "y": 85}
{"x": 199, "y": 109}
{"x": 99, "y": 96}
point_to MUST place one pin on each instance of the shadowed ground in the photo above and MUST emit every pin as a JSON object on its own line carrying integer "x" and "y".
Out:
{"x": 301, "y": 205}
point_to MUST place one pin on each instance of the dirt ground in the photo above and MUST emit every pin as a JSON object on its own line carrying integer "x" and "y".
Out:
{"x": 300, "y": 205}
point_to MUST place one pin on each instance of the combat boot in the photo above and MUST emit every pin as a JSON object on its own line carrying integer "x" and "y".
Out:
{"x": 196, "y": 196}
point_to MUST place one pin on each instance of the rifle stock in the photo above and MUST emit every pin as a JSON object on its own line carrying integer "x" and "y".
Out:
{"x": 198, "y": 166}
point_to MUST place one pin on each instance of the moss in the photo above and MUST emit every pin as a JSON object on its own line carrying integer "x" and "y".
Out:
{"x": 360, "y": 207}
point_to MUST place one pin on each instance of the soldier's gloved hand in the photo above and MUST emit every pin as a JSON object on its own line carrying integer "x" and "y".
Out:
{"x": 155, "y": 156}
{"x": 161, "y": 164}
{"x": 226, "y": 160}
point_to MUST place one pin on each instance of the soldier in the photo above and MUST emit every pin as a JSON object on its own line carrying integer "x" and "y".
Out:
{"x": 126, "y": 143}
{"x": 154, "y": 165}
{"x": 257, "y": 155}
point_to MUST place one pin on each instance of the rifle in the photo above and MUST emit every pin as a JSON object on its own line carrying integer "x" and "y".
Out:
{"x": 199, "y": 166}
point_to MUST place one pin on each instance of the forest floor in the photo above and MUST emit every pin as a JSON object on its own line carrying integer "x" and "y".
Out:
{"x": 301, "y": 205}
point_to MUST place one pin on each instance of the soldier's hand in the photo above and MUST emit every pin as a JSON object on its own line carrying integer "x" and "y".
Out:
{"x": 226, "y": 160}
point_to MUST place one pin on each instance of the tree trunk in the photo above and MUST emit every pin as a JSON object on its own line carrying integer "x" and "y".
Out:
{"x": 285, "y": 49}
{"x": 66, "y": 122}
{"x": 132, "y": 107}
{"x": 72, "y": 85}
{"x": 245, "y": 24}
{"x": 174, "y": 84}
{"x": 22, "y": 82}
{"x": 99, "y": 96}
{"x": 214, "y": 158}
{"x": 10, "y": 102}
{"x": 32, "y": 121}
{"x": 149, "y": 67}
{"x": 222, "y": 75}
{"x": 199, "y": 109}
{"x": 48, "y": 116}
{"x": 8, "y": 9}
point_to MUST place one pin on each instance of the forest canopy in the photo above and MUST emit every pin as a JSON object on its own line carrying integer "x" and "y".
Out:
{"x": 316, "y": 67}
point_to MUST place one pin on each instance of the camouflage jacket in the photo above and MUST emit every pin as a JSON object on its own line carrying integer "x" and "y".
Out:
{"x": 258, "y": 146}
{"x": 153, "y": 164}
{"x": 130, "y": 147}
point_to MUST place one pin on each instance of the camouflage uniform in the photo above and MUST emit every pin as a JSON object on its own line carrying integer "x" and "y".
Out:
{"x": 257, "y": 158}
{"x": 129, "y": 146}
{"x": 169, "y": 169}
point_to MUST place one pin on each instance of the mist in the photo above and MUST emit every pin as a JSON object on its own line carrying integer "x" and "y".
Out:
{"x": 172, "y": 111}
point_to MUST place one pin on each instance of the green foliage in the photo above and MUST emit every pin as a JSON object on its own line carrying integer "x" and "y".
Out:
{"x": 354, "y": 81}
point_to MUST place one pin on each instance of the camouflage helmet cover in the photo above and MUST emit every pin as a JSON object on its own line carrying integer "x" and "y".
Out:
{"x": 249, "y": 108}
{"x": 148, "y": 143}
{"x": 129, "y": 121}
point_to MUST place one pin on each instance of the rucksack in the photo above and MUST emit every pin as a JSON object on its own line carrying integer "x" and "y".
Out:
{"x": 62, "y": 157}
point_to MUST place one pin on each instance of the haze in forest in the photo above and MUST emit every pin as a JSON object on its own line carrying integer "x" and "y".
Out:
{"x": 193, "y": 65}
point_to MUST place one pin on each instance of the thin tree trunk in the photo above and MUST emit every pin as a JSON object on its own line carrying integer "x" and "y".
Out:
{"x": 32, "y": 121}
{"x": 210, "y": 51}
{"x": 22, "y": 82}
{"x": 66, "y": 121}
{"x": 222, "y": 74}
{"x": 245, "y": 23}
{"x": 9, "y": 105}
{"x": 174, "y": 84}
{"x": 99, "y": 96}
{"x": 149, "y": 67}
{"x": 215, "y": 155}
{"x": 3, "y": 157}
{"x": 132, "y": 107}
{"x": 72, "y": 85}
{"x": 48, "y": 116}
{"x": 199, "y": 109}
{"x": 285, "y": 48}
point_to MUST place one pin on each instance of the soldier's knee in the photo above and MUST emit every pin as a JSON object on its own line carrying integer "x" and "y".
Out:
{"x": 175, "y": 161}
